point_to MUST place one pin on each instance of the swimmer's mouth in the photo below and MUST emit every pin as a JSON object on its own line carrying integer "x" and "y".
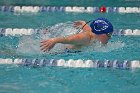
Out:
{"x": 109, "y": 34}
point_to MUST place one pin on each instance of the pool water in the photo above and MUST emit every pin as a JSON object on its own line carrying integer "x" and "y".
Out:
{"x": 20, "y": 79}
{"x": 15, "y": 79}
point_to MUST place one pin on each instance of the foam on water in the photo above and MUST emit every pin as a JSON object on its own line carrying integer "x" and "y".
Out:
{"x": 96, "y": 46}
{"x": 31, "y": 44}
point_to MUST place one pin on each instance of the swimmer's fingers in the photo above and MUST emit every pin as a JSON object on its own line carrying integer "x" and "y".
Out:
{"x": 44, "y": 46}
{"x": 47, "y": 45}
{"x": 43, "y": 41}
{"x": 46, "y": 42}
{"x": 46, "y": 49}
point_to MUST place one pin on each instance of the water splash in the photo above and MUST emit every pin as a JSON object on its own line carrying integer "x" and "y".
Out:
{"x": 110, "y": 46}
{"x": 96, "y": 46}
{"x": 30, "y": 45}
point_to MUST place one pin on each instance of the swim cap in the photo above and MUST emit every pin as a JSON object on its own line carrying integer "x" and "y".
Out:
{"x": 101, "y": 26}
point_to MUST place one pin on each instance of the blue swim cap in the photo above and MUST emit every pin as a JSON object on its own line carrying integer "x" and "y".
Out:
{"x": 101, "y": 26}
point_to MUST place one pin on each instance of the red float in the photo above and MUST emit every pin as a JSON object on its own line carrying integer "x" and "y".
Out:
{"x": 103, "y": 9}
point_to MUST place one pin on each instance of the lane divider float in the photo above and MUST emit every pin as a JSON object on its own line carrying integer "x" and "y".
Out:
{"x": 74, "y": 63}
{"x": 36, "y": 9}
{"x": 30, "y": 31}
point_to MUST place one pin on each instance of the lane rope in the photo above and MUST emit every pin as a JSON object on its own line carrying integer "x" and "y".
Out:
{"x": 36, "y": 9}
{"x": 73, "y": 63}
{"x": 30, "y": 31}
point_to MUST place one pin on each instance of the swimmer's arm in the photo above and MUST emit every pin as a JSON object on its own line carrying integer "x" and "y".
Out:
{"x": 80, "y": 39}
{"x": 76, "y": 39}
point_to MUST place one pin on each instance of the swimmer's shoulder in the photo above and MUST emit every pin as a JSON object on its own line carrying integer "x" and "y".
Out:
{"x": 87, "y": 28}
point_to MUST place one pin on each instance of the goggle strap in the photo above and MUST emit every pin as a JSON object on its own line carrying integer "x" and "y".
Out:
{"x": 84, "y": 25}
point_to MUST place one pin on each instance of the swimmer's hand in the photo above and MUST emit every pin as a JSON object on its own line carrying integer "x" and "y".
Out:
{"x": 46, "y": 45}
{"x": 79, "y": 23}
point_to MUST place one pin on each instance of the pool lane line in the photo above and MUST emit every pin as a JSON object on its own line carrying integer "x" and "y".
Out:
{"x": 74, "y": 63}
{"x": 30, "y": 31}
{"x": 36, "y": 9}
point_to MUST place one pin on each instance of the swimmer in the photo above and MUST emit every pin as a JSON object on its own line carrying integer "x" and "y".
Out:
{"x": 99, "y": 29}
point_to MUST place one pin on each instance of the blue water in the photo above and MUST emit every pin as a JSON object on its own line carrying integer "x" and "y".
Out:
{"x": 15, "y": 79}
{"x": 119, "y": 21}
{"x": 19, "y": 79}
